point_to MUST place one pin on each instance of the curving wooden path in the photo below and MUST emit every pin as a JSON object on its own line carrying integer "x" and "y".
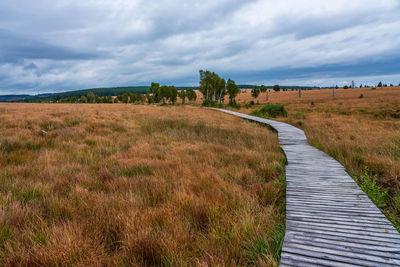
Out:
{"x": 329, "y": 219}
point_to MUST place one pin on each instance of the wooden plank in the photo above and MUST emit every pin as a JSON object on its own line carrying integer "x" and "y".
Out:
{"x": 351, "y": 240}
{"x": 349, "y": 247}
{"x": 394, "y": 252}
{"x": 341, "y": 255}
{"x": 333, "y": 220}
{"x": 330, "y": 221}
{"x": 348, "y": 234}
{"x": 304, "y": 260}
{"x": 360, "y": 219}
{"x": 344, "y": 229}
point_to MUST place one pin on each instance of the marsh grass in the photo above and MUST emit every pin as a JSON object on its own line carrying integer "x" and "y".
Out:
{"x": 137, "y": 186}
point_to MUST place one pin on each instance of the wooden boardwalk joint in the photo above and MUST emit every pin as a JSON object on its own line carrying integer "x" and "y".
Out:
{"x": 330, "y": 221}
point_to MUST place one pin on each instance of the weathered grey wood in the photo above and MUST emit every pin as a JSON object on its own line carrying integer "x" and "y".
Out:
{"x": 329, "y": 219}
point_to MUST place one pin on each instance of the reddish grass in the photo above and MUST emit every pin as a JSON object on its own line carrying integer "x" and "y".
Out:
{"x": 137, "y": 185}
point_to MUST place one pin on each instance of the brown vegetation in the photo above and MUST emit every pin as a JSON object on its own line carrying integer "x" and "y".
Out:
{"x": 137, "y": 185}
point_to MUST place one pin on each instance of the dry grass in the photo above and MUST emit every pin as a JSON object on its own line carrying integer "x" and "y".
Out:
{"x": 137, "y": 185}
{"x": 359, "y": 132}
{"x": 292, "y": 97}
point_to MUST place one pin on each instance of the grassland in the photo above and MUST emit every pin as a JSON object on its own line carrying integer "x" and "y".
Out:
{"x": 137, "y": 185}
{"x": 363, "y": 133}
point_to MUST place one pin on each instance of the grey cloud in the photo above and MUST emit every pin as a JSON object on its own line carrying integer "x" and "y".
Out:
{"x": 57, "y": 45}
{"x": 31, "y": 66}
{"x": 14, "y": 48}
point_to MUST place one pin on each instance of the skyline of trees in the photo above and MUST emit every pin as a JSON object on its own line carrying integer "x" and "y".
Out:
{"x": 213, "y": 88}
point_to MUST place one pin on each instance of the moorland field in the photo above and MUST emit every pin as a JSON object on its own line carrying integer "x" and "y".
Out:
{"x": 118, "y": 184}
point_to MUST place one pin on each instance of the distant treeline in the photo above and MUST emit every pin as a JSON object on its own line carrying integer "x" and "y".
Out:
{"x": 249, "y": 86}
{"x": 11, "y": 98}
{"x": 115, "y": 91}
{"x": 99, "y": 92}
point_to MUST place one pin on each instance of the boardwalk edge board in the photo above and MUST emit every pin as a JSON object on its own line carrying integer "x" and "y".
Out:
{"x": 330, "y": 221}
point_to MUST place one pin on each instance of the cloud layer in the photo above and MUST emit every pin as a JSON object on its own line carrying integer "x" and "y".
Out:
{"x": 56, "y": 45}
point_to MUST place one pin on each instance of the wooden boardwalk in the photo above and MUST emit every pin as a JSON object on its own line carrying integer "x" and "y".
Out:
{"x": 329, "y": 219}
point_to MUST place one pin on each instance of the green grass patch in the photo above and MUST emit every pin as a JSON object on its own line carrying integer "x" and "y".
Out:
{"x": 270, "y": 111}
{"x": 90, "y": 142}
{"x": 298, "y": 115}
{"x": 383, "y": 199}
{"x": 258, "y": 248}
{"x": 39, "y": 238}
{"x": 30, "y": 194}
{"x": 9, "y": 146}
{"x": 70, "y": 122}
{"x": 5, "y": 234}
{"x": 19, "y": 157}
{"x": 115, "y": 127}
{"x": 48, "y": 126}
{"x": 368, "y": 183}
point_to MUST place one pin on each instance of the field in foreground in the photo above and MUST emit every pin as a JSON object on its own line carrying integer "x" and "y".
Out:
{"x": 137, "y": 185}
{"x": 363, "y": 133}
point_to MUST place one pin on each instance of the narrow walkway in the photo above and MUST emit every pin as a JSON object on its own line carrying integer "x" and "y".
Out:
{"x": 329, "y": 219}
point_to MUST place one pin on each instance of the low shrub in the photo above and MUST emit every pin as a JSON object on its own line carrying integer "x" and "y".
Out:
{"x": 270, "y": 111}
{"x": 370, "y": 186}
{"x": 298, "y": 115}
{"x": 210, "y": 103}
{"x": 234, "y": 105}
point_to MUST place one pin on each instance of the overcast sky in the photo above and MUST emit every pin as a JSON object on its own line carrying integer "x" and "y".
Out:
{"x": 57, "y": 45}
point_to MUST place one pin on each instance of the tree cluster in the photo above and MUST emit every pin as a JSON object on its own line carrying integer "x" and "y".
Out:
{"x": 276, "y": 88}
{"x": 190, "y": 94}
{"x": 169, "y": 94}
{"x": 89, "y": 98}
{"x": 255, "y": 92}
{"x": 129, "y": 97}
{"x": 212, "y": 86}
{"x": 215, "y": 88}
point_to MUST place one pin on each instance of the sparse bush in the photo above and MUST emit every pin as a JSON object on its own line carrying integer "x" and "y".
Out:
{"x": 298, "y": 115}
{"x": 369, "y": 185}
{"x": 361, "y": 96}
{"x": 270, "y": 111}
{"x": 210, "y": 103}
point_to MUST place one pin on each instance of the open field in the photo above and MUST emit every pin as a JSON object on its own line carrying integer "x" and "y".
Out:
{"x": 359, "y": 132}
{"x": 137, "y": 185}
{"x": 292, "y": 97}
